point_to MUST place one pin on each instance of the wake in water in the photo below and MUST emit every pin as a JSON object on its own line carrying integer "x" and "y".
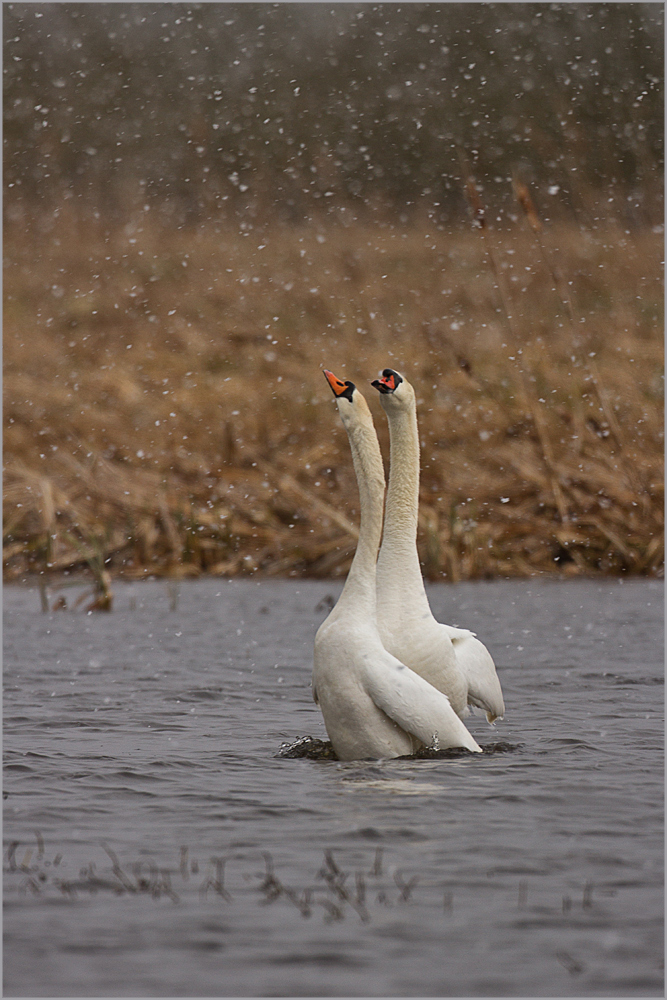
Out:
{"x": 312, "y": 749}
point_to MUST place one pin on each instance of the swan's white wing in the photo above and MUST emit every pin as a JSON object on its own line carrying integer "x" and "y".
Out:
{"x": 478, "y": 668}
{"x": 414, "y": 704}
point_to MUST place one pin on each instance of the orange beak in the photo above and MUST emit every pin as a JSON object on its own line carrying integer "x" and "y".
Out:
{"x": 337, "y": 386}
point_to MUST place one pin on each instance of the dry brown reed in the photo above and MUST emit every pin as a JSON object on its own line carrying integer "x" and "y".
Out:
{"x": 165, "y": 411}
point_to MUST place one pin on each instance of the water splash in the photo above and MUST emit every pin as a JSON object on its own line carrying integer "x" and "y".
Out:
{"x": 313, "y": 749}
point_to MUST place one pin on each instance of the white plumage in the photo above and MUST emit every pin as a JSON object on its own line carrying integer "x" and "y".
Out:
{"x": 451, "y": 659}
{"x": 373, "y": 705}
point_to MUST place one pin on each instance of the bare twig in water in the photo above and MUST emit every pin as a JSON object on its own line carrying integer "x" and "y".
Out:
{"x": 165, "y": 886}
{"x": 328, "y": 854}
{"x": 405, "y": 887}
{"x": 217, "y": 881}
{"x": 335, "y": 880}
{"x": 587, "y": 897}
{"x": 11, "y": 854}
{"x": 333, "y": 912}
{"x": 571, "y": 964}
{"x": 94, "y": 557}
{"x": 361, "y": 887}
{"x": 220, "y": 878}
{"x": 302, "y": 902}
{"x": 271, "y": 886}
{"x": 118, "y": 871}
{"x": 146, "y": 883}
{"x": 30, "y": 883}
{"x": 376, "y": 870}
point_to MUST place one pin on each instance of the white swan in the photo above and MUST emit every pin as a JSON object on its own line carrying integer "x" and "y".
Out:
{"x": 373, "y": 706}
{"x": 451, "y": 659}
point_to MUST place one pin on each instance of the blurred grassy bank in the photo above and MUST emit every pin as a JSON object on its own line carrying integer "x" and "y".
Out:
{"x": 165, "y": 412}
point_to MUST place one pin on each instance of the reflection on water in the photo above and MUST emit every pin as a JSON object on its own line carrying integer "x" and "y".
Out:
{"x": 168, "y": 832}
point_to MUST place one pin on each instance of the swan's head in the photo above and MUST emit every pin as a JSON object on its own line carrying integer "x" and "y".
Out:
{"x": 340, "y": 389}
{"x": 358, "y": 424}
{"x": 395, "y": 393}
{"x": 351, "y": 404}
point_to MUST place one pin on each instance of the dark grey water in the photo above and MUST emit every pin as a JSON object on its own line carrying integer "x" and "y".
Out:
{"x": 163, "y": 850}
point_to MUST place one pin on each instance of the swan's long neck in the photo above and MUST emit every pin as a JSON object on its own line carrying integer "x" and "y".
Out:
{"x": 359, "y": 591}
{"x": 398, "y": 570}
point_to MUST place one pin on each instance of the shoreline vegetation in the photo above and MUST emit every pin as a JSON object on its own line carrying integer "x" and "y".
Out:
{"x": 165, "y": 413}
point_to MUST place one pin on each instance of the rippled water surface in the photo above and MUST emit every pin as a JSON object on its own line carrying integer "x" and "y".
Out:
{"x": 156, "y": 846}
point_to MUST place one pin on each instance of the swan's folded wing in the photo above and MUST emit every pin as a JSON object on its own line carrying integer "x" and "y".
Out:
{"x": 479, "y": 670}
{"x": 456, "y": 634}
{"x": 414, "y": 704}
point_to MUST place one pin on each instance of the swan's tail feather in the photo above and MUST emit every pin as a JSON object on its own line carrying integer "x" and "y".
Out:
{"x": 484, "y": 690}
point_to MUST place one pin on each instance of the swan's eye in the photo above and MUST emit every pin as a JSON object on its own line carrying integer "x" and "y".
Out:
{"x": 392, "y": 377}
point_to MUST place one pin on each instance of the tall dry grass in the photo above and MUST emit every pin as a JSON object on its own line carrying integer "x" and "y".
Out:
{"x": 165, "y": 411}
